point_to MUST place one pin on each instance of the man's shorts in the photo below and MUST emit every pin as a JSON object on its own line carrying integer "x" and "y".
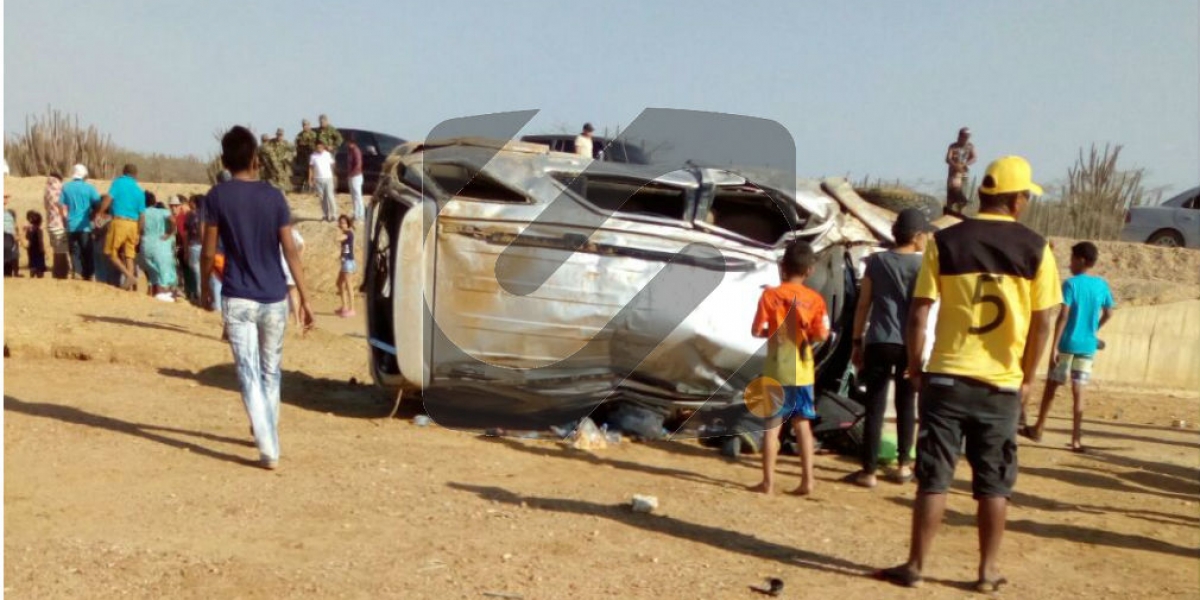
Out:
{"x": 122, "y": 235}
{"x": 952, "y": 409}
{"x": 1078, "y": 366}
{"x": 797, "y": 402}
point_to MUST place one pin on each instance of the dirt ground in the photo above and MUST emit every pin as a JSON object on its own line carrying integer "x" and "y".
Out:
{"x": 127, "y": 474}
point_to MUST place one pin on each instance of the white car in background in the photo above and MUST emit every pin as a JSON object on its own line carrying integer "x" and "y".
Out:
{"x": 1173, "y": 224}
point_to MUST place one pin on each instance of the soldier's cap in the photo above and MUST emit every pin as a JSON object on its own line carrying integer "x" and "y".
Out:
{"x": 304, "y": 122}
{"x": 1007, "y": 175}
{"x": 279, "y": 131}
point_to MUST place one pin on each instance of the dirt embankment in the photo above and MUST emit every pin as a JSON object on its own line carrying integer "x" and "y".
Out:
{"x": 1139, "y": 274}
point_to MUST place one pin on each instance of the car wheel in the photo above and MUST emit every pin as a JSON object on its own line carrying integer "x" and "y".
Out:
{"x": 1166, "y": 238}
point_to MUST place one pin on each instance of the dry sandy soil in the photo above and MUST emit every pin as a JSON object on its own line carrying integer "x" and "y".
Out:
{"x": 127, "y": 474}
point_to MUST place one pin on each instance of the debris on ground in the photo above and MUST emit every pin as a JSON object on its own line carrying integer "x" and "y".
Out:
{"x": 644, "y": 504}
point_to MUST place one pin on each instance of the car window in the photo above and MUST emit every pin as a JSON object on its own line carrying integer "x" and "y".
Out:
{"x": 387, "y": 143}
{"x": 629, "y": 195}
{"x": 1193, "y": 202}
{"x": 750, "y": 212}
{"x": 469, "y": 184}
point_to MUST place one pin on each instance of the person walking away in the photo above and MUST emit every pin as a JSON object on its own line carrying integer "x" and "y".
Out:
{"x": 959, "y": 158}
{"x": 306, "y": 144}
{"x": 998, "y": 284}
{"x": 35, "y": 245}
{"x": 253, "y": 220}
{"x": 348, "y": 266}
{"x": 293, "y": 293}
{"x": 125, "y": 201}
{"x": 81, "y": 200}
{"x": 1087, "y": 306}
{"x": 354, "y": 176}
{"x": 56, "y": 227}
{"x": 320, "y": 177}
{"x": 583, "y": 141}
{"x": 793, "y": 318}
{"x": 158, "y": 250}
{"x": 880, "y": 356}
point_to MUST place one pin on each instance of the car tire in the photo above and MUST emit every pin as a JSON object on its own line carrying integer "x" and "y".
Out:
{"x": 1167, "y": 238}
{"x": 897, "y": 199}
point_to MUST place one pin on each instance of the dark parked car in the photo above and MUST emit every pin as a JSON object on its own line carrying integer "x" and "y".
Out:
{"x": 602, "y": 148}
{"x": 375, "y": 148}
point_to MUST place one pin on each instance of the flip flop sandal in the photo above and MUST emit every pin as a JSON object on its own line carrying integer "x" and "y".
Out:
{"x": 899, "y": 576}
{"x": 984, "y": 586}
{"x": 1026, "y": 431}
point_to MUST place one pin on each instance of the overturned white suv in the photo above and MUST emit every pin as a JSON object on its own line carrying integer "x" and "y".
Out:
{"x": 512, "y": 286}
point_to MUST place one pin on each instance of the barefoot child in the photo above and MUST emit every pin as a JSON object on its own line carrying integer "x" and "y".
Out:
{"x": 346, "y": 226}
{"x": 793, "y": 317}
{"x": 1087, "y": 306}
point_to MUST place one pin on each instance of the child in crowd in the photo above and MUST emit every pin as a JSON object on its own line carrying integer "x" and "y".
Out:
{"x": 1087, "y": 305}
{"x": 346, "y": 226}
{"x": 35, "y": 245}
{"x": 793, "y": 318}
{"x": 880, "y": 354}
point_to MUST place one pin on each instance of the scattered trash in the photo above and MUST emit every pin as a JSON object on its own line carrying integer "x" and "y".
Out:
{"x": 644, "y": 504}
{"x": 774, "y": 587}
{"x": 422, "y": 420}
{"x": 494, "y": 432}
{"x": 503, "y": 595}
{"x": 588, "y": 437}
{"x": 1179, "y": 424}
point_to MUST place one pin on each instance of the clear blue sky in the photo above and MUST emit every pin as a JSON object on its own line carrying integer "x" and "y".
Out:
{"x": 873, "y": 87}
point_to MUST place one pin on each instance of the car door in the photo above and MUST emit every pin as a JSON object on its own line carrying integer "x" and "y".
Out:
{"x": 1187, "y": 220}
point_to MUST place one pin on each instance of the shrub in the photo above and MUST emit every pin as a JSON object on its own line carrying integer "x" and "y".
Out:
{"x": 1094, "y": 200}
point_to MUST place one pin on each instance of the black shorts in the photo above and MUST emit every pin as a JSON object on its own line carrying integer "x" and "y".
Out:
{"x": 952, "y": 409}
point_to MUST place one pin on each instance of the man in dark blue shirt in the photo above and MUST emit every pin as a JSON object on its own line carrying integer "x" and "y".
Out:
{"x": 251, "y": 220}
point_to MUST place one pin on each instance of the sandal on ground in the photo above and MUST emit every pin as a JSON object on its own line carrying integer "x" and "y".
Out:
{"x": 1026, "y": 431}
{"x": 990, "y": 586}
{"x": 902, "y": 477}
{"x": 900, "y": 576}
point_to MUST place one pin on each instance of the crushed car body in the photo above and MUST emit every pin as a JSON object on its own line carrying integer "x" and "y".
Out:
{"x": 515, "y": 286}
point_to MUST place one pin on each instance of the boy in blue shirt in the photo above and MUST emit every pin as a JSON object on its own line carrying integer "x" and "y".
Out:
{"x": 1087, "y": 305}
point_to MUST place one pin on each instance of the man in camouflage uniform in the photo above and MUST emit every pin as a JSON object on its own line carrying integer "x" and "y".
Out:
{"x": 266, "y": 167}
{"x": 329, "y": 135}
{"x": 306, "y": 143}
{"x": 278, "y": 155}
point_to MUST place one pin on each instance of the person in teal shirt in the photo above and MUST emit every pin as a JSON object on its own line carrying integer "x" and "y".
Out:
{"x": 1087, "y": 305}
{"x": 80, "y": 199}
{"x": 125, "y": 201}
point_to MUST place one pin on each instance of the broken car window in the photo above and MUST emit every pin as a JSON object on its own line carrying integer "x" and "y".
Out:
{"x": 464, "y": 183}
{"x": 629, "y": 195}
{"x": 752, "y": 213}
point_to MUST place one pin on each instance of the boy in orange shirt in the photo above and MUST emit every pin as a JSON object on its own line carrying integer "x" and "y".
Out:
{"x": 794, "y": 318}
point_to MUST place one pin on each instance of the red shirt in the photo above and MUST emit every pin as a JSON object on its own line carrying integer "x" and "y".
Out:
{"x": 789, "y": 352}
{"x": 354, "y": 162}
{"x": 181, "y": 229}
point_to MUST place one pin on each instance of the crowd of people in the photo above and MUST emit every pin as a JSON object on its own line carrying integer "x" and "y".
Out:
{"x": 997, "y": 286}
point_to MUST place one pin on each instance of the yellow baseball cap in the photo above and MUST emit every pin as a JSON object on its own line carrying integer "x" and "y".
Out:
{"x": 1007, "y": 175}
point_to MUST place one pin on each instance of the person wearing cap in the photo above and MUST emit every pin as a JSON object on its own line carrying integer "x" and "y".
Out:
{"x": 880, "y": 354}
{"x": 80, "y": 199}
{"x": 583, "y": 141}
{"x": 306, "y": 144}
{"x": 959, "y": 158}
{"x": 998, "y": 286}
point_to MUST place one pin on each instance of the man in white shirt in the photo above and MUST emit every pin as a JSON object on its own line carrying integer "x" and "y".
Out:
{"x": 583, "y": 141}
{"x": 320, "y": 178}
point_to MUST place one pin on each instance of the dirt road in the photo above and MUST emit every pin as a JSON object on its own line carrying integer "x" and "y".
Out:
{"x": 126, "y": 453}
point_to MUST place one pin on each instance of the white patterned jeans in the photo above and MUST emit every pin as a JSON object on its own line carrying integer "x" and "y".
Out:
{"x": 325, "y": 190}
{"x": 256, "y": 336}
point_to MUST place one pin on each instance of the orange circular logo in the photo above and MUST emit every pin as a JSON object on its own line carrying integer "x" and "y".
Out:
{"x": 764, "y": 397}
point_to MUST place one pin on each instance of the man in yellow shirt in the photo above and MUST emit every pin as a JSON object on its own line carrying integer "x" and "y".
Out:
{"x": 998, "y": 285}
